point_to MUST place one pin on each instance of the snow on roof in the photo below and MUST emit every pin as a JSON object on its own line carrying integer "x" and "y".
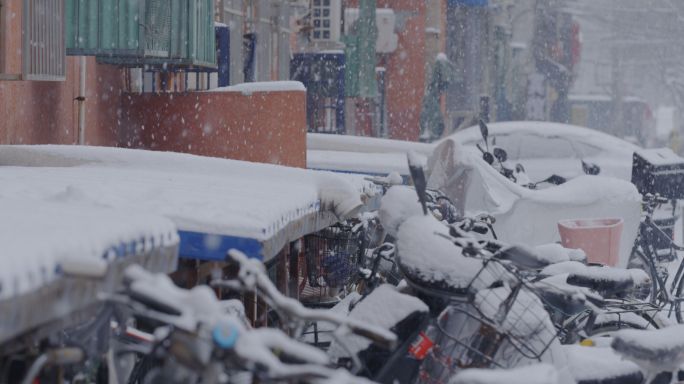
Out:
{"x": 366, "y": 163}
{"x": 660, "y": 156}
{"x": 200, "y": 194}
{"x": 331, "y": 142}
{"x": 472, "y": 134}
{"x": 265, "y": 86}
{"x": 38, "y": 237}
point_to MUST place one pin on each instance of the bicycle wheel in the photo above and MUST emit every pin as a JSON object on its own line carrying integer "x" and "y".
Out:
{"x": 639, "y": 260}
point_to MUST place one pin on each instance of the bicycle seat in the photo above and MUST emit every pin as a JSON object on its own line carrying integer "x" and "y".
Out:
{"x": 653, "y": 350}
{"x": 607, "y": 281}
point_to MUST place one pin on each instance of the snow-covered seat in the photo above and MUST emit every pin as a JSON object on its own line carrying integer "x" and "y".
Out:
{"x": 430, "y": 260}
{"x": 608, "y": 281}
{"x": 654, "y": 351}
{"x": 530, "y": 216}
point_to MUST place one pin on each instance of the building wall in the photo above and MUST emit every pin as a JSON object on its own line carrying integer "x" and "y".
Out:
{"x": 406, "y": 69}
{"x": 264, "y": 127}
{"x": 268, "y": 127}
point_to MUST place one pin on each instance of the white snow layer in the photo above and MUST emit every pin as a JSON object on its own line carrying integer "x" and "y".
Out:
{"x": 38, "y": 238}
{"x": 358, "y": 162}
{"x": 429, "y": 256}
{"x": 264, "y": 86}
{"x": 201, "y": 194}
{"x": 531, "y": 216}
{"x": 398, "y": 204}
{"x": 654, "y": 350}
{"x": 530, "y": 374}
{"x": 597, "y": 363}
{"x": 362, "y": 144}
{"x": 385, "y": 307}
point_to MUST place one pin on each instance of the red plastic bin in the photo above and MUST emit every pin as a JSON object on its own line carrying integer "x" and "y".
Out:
{"x": 598, "y": 238}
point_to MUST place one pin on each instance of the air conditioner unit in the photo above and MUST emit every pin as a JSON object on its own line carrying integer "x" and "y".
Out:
{"x": 385, "y": 20}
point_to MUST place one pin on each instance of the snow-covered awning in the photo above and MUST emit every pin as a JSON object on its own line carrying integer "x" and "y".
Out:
{"x": 216, "y": 204}
{"x": 59, "y": 254}
{"x": 361, "y": 155}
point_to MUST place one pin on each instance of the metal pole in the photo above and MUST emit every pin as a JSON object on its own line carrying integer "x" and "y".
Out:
{"x": 81, "y": 101}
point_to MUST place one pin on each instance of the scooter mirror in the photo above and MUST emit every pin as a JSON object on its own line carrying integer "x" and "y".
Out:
{"x": 590, "y": 168}
{"x": 500, "y": 154}
{"x": 556, "y": 180}
{"x": 488, "y": 157}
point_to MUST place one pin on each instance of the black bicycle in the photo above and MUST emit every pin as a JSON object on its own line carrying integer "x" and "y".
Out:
{"x": 652, "y": 249}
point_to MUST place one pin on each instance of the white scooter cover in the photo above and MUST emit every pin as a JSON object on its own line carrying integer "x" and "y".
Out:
{"x": 531, "y": 216}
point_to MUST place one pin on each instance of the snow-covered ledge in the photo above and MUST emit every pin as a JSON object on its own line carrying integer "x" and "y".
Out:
{"x": 265, "y": 86}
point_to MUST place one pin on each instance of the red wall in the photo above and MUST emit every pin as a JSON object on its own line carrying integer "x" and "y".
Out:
{"x": 406, "y": 71}
{"x": 405, "y": 76}
{"x": 268, "y": 127}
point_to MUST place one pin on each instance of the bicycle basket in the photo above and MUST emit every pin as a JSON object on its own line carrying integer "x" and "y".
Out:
{"x": 497, "y": 327}
{"x": 331, "y": 263}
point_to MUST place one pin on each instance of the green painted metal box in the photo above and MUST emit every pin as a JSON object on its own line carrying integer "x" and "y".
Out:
{"x": 142, "y": 32}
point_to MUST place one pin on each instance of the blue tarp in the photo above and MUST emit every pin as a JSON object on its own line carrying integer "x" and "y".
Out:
{"x": 202, "y": 246}
{"x": 468, "y": 3}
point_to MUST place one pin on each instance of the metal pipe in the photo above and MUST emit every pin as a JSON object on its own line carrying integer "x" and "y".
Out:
{"x": 81, "y": 101}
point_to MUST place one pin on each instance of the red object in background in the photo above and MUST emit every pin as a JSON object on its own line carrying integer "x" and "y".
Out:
{"x": 420, "y": 348}
{"x": 576, "y": 44}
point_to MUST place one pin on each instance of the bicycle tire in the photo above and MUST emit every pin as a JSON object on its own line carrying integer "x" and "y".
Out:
{"x": 639, "y": 260}
{"x": 677, "y": 304}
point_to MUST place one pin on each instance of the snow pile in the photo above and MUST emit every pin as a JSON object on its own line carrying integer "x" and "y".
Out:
{"x": 43, "y": 239}
{"x": 565, "y": 267}
{"x": 398, "y": 204}
{"x": 525, "y": 319}
{"x": 201, "y": 194}
{"x": 555, "y": 253}
{"x": 425, "y": 254}
{"x": 530, "y": 374}
{"x": 530, "y": 216}
{"x": 385, "y": 307}
{"x": 653, "y": 350}
{"x": 593, "y": 364}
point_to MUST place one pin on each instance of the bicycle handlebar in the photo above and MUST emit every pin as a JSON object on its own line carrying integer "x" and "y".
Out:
{"x": 252, "y": 275}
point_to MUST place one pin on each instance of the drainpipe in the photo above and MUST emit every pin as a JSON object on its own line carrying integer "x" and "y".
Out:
{"x": 81, "y": 101}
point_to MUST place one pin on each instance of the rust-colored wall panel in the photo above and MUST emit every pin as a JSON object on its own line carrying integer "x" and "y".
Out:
{"x": 267, "y": 127}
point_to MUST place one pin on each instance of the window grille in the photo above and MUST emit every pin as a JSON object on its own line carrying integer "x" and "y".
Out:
{"x": 325, "y": 20}
{"x": 43, "y": 51}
